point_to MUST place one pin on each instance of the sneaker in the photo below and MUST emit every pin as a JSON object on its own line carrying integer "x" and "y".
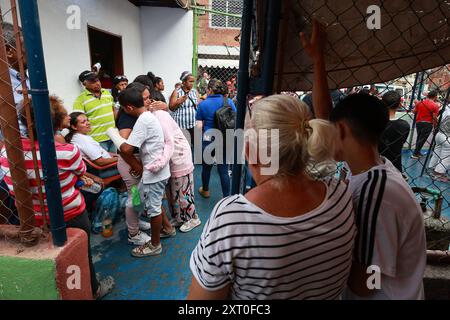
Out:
{"x": 204, "y": 194}
{"x": 439, "y": 177}
{"x": 164, "y": 234}
{"x": 191, "y": 224}
{"x": 144, "y": 225}
{"x": 146, "y": 250}
{"x": 139, "y": 239}
{"x": 175, "y": 223}
{"x": 414, "y": 156}
{"x": 105, "y": 286}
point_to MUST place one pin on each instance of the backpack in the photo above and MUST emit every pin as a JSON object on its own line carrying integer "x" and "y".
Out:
{"x": 225, "y": 117}
{"x": 109, "y": 203}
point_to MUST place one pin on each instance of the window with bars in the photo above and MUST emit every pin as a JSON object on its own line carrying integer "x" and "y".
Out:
{"x": 226, "y": 6}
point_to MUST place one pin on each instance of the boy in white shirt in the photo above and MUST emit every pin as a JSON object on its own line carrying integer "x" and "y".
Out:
{"x": 147, "y": 135}
{"x": 391, "y": 234}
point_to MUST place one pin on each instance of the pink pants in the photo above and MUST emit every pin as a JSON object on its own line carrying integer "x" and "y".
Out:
{"x": 132, "y": 217}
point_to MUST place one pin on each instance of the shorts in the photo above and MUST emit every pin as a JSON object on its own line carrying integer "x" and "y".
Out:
{"x": 152, "y": 195}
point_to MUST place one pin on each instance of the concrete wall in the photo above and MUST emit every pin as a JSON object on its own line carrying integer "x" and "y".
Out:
{"x": 44, "y": 272}
{"x": 66, "y": 51}
{"x": 167, "y": 43}
{"x": 153, "y": 39}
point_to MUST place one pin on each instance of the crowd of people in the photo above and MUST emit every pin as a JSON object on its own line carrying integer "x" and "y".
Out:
{"x": 290, "y": 237}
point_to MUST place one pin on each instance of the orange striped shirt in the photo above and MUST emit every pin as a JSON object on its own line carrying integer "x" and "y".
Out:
{"x": 70, "y": 167}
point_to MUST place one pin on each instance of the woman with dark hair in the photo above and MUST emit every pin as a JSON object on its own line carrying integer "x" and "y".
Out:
{"x": 91, "y": 149}
{"x": 183, "y": 103}
{"x": 71, "y": 168}
{"x": 60, "y": 117}
{"x": 205, "y": 121}
{"x": 159, "y": 87}
{"x": 148, "y": 80}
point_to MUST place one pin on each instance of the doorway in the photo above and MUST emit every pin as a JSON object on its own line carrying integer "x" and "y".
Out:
{"x": 106, "y": 48}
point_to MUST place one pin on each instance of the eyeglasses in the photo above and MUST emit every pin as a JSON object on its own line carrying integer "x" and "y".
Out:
{"x": 121, "y": 78}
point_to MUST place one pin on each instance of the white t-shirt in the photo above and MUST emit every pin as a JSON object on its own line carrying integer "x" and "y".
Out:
{"x": 89, "y": 148}
{"x": 263, "y": 256}
{"x": 148, "y": 136}
{"x": 391, "y": 233}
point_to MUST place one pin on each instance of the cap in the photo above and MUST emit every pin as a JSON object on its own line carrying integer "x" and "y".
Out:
{"x": 119, "y": 79}
{"x": 87, "y": 75}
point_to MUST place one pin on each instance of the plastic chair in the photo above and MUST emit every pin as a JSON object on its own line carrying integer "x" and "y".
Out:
{"x": 96, "y": 170}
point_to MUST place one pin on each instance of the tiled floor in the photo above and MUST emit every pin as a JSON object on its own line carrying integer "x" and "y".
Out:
{"x": 166, "y": 276}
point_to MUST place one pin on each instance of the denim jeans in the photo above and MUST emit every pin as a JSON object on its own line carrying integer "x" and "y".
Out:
{"x": 109, "y": 146}
{"x": 222, "y": 168}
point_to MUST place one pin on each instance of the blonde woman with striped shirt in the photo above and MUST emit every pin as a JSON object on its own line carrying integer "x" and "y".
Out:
{"x": 291, "y": 237}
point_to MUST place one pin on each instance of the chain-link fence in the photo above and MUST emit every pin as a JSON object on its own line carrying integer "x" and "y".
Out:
{"x": 19, "y": 199}
{"x": 218, "y": 32}
{"x": 401, "y": 47}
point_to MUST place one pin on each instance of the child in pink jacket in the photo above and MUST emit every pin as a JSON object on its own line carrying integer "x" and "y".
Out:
{"x": 180, "y": 188}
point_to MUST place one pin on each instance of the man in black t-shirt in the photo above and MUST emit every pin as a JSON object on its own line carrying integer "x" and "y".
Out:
{"x": 396, "y": 132}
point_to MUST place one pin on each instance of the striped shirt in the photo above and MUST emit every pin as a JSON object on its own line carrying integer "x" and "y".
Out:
{"x": 391, "y": 234}
{"x": 185, "y": 115}
{"x": 262, "y": 256}
{"x": 99, "y": 112}
{"x": 70, "y": 165}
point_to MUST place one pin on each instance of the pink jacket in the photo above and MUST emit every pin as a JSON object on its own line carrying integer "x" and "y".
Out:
{"x": 176, "y": 148}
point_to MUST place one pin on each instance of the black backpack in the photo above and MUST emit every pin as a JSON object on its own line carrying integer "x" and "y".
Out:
{"x": 225, "y": 117}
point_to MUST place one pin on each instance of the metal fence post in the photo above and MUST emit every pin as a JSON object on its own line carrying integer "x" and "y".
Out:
{"x": 243, "y": 88}
{"x": 39, "y": 90}
{"x": 14, "y": 151}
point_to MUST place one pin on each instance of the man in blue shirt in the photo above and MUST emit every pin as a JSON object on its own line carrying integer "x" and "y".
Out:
{"x": 205, "y": 120}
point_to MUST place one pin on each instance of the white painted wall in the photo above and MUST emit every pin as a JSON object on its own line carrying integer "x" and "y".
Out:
{"x": 153, "y": 39}
{"x": 67, "y": 51}
{"x": 167, "y": 43}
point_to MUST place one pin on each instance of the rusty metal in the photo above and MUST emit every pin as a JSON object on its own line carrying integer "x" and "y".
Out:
{"x": 26, "y": 105}
{"x": 13, "y": 145}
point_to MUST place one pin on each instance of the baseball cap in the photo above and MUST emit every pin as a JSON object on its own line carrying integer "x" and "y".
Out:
{"x": 119, "y": 79}
{"x": 87, "y": 75}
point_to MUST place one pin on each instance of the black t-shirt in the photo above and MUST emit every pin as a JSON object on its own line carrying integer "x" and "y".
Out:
{"x": 392, "y": 141}
{"x": 125, "y": 121}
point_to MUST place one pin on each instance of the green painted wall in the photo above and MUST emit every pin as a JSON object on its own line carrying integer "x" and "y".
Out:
{"x": 26, "y": 279}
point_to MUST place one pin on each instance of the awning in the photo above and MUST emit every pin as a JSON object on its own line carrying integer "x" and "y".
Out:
{"x": 414, "y": 36}
{"x": 218, "y": 63}
{"x": 218, "y": 56}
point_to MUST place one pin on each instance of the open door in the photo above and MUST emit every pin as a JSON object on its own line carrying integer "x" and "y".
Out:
{"x": 106, "y": 48}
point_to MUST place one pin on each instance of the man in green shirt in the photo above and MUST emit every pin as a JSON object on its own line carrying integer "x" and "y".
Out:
{"x": 98, "y": 105}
